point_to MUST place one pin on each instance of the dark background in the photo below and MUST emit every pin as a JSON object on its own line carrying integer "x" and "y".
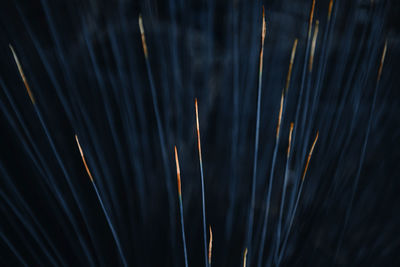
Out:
{"x": 85, "y": 65}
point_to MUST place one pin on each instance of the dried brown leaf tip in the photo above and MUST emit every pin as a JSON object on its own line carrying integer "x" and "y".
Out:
{"x": 290, "y": 138}
{"x": 210, "y": 246}
{"x": 178, "y": 173}
{"x": 21, "y": 72}
{"x": 143, "y": 36}
{"x": 289, "y": 75}
{"x": 313, "y": 45}
{"x": 278, "y": 127}
{"x": 311, "y": 19}
{"x": 83, "y": 158}
{"x": 309, "y": 156}
{"x": 263, "y": 33}
{"x": 198, "y": 128}
{"x": 330, "y": 9}
{"x": 382, "y": 61}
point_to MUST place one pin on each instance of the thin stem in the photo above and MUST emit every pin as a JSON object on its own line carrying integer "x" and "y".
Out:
{"x": 202, "y": 183}
{"x": 178, "y": 177}
{"x": 256, "y": 141}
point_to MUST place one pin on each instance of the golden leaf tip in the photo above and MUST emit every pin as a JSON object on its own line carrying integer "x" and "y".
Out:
{"x": 210, "y": 246}
{"x": 382, "y": 61}
{"x": 309, "y": 156}
{"x": 290, "y": 139}
{"x": 143, "y": 35}
{"x": 330, "y": 9}
{"x": 313, "y": 45}
{"x": 83, "y": 158}
{"x": 141, "y": 24}
{"x": 245, "y": 257}
{"x": 21, "y": 73}
{"x": 178, "y": 172}
{"x": 311, "y": 19}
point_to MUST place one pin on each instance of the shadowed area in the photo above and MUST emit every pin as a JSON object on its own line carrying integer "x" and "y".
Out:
{"x": 85, "y": 66}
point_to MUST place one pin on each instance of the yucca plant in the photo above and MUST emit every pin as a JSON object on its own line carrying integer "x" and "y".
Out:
{"x": 199, "y": 133}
